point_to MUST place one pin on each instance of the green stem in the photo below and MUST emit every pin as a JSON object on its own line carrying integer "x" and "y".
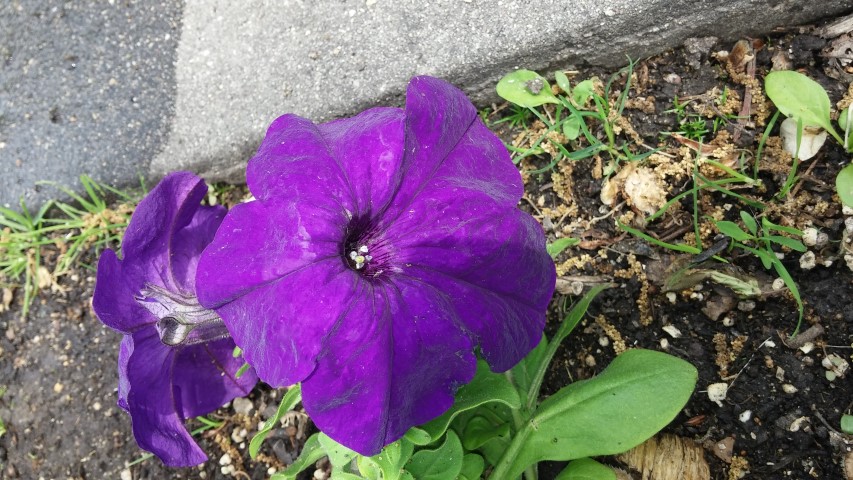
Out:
{"x": 506, "y": 462}
{"x": 519, "y": 423}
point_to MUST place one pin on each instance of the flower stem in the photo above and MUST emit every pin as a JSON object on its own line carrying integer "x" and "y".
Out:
{"x": 520, "y": 423}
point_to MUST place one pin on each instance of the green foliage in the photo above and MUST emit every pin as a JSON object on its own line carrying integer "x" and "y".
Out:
{"x": 440, "y": 463}
{"x": 759, "y": 241}
{"x": 586, "y": 469}
{"x": 525, "y": 88}
{"x": 847, "y": 424}
{"x": 73, "y": 228}
{"x": 288, "y": 402}
{"x": 561, "y": 244}
{"x": 631, "y": 400}
{"x": 844, "y": 185}
{"x": 797, "y": 96}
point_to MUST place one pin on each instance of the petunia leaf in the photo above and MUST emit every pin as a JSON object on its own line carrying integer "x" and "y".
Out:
{"x": 526, "y": 89}
{"x": 441, "y": 463}
{"x": 844, "y": 185}
{"x": 473, "y": 466}
{"x": 586, "y": 469}
{"x": 608, "y": 414}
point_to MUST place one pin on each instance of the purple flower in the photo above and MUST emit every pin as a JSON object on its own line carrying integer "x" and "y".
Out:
{"x": 175, "y": 360}
{"x": 381, "y": 250}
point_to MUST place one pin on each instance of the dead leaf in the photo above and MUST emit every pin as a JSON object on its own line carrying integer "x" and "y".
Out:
{"x": 668, "y": 457}
{"x": 8, "y": 294}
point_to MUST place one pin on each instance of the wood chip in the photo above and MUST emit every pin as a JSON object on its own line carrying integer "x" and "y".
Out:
{"x": 668, "y": 457}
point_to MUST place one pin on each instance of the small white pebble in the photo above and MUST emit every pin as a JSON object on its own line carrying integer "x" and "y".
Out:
{"x": 810, "y": 236}
{"x": 797, "y": 424}
{"x": 769, "y": 344}
{"x": 745, "y": 416}
{"x": 320, "y": 475}
{"x": 242, "y": 405}
{"x": 788, "y": 388}
{"x": 664, "y": 343}
{"x": 672, "y": 297}
{"x": 807, "y": 260}
{"x": 609, "y": 12}
{"x": 96, "y": 406}
{"x": 225, "y": 459}
{"x": 846, "y": 210}
{"x": 717, "y": 392}
{"x": 271, "y": 471}
{"x": 728, "y": 321}
{"x": 697, "y": 296}
{"x": 848, "y": 224}
{"x": 672, "y": 330}
{"x": 778, "y": 284}
{"x": 780, "y": 374}
{"x": 603, "y": 341}
{"x": 126, "y": 475}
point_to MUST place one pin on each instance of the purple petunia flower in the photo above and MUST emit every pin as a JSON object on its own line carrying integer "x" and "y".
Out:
{"x": 381, "y": 250}
{"x": 175, "y": 360}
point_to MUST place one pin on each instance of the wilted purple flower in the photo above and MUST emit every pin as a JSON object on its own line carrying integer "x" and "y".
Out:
{"x": 381, "y": 250}
{"x": 175, "y": 360}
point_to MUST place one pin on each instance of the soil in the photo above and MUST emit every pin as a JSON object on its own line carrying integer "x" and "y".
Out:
{"x": 781, "y": 414}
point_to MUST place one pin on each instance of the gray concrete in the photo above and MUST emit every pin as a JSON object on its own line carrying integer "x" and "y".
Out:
{"x": 241, "y": 64}
{"x": 86, "y": 87}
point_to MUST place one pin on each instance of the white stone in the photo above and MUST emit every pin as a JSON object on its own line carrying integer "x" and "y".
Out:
{"x": 807, "y": 260}
{"x": 745, "y": 416}
{"x": 126, "y": 475}
{"x": 672, "y": 331}
{"x": 788, "y": 388}
{"x": 717, "y": 392}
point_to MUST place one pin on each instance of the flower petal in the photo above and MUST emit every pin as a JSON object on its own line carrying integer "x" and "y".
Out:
{"x": 491, "y": 263}
{"x": 394, "y": 361}
{"x": 157, "y": 426}
{"x": 203, "y": 377}
{"x": 259, "y": 242}
{"x": 294, "y": 162}
{"x": 369, "y": 148}
{"x": 113, "y": 300}
{"x": 188, "y": 243}
{"x": 280, "y": 325}
{"x": 450, "y": 151}
{"x": 169, "y": 207}
{"x": 124, "y": 350}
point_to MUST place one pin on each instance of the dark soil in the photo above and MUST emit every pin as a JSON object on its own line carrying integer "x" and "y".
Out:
{"x": 58, "y": 364}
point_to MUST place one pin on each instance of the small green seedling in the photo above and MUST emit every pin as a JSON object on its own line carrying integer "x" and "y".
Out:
{"x": 759, "y": 241}
{"x": 797, "y": 96}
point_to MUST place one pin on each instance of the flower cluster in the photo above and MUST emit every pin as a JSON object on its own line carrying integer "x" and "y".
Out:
{"x": 382, "y": 251}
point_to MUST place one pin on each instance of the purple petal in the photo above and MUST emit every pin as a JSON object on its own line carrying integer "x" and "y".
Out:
{"x": 280, "y": 325}
{"x": 124, "y": 351}
{"x": 188, "y": 243}
{"x": 113, "y": 300}
{"x": 449, "y": 150}
{"x": 157, "y": 426}
{"x": 369, "y": 148}
{"x": 491, "y": 263}
{"x": 169, "y": 207}
{"x": 294, "y": 161}
{"x": 204, "y": 379}
{"x": 259, "y": 242}
{"x": 394, "y": 361}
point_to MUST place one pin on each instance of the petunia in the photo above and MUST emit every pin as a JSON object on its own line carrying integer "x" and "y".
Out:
{"x": 381, "y": 251}
{"x": 176, "y": 357}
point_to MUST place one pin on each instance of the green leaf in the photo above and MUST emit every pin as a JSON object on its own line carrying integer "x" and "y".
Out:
{"x": 525, "y": 88}
{"x": 288, "y": 402}
{"x": 572, "y": 127}
{"x": 442, "y": 463}
{"x": 418, "y": 436}
{"x": 586, "y": 469}
{"x": 392, "y": 458}
{"x": 844, "y": 185}
{"x": 311, "y": 452}
{"x": 847, "y": 424}
{"x": 472, "y": 467}
{"x": 768, "y": 225}
{"x": 563, "y": 82}
{"x": 554, "y": 248}
{"x": 632, "y": 399}
{"x": 733, "y": 230}
{"x": 800, "y": 97}
{"x": 791, "y": 243}
{"x": 480, "y": 430}
{"x": 582, "y": 92}
{"x": 484, "y": 388}
{"x": 339, "y": 456}
{"x": 749, "y": 222}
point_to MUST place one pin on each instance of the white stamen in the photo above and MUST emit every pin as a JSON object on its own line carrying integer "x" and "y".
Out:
{"x": 362, "y": 249}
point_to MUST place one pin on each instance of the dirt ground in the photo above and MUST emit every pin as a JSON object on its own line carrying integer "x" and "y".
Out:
{"x": 780, "y": 418}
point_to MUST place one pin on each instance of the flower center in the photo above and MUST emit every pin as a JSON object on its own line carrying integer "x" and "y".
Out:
{"x": 183, "y": 321}
{"x": 364, "y": 250}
